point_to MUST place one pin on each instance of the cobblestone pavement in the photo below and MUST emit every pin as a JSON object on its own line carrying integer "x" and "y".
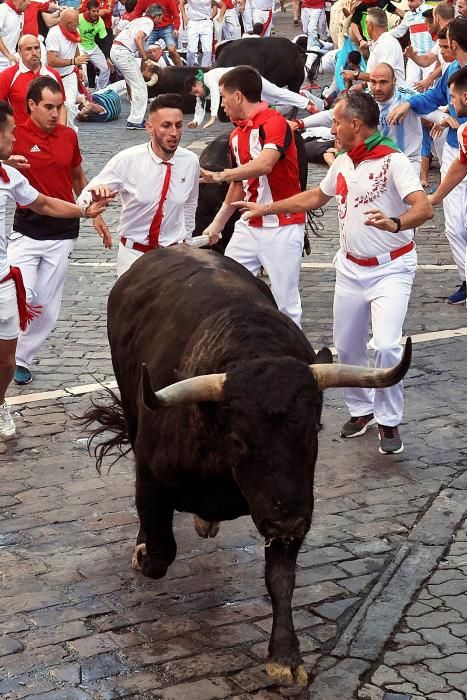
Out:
{"x": 380, "y": 604}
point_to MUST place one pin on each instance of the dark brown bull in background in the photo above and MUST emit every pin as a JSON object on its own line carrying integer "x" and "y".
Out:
{"x": 238, "y": 434}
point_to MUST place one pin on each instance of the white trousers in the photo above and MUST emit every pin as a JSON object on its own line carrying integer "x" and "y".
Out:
{"x": 199, "y": 30}
{"x": 130, "y": 68}
{"x": 231, "y": 26}
{"x": 274, "y": 95}
{"x": 125, "y": 258}
{"x": 247, "y": 16}
{"x": 314, "y": 25}
{"x": 44, "y": 266}
{"x": 70, "y": 83}
{"x": 455, "y": 210}
{"x": 265, "y": 17}
{"x": 279, "y": 250}
{"x": 97, "y": 59}
{"x": 380, "y": 294}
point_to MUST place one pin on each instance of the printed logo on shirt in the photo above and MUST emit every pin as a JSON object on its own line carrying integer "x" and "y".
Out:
{"x": 35, "y": 149}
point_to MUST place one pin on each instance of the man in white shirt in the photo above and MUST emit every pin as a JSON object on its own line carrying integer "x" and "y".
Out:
{"x": 384, "y": 48}
{"x": 63, "y": 54}
{"x": 128, "y": 54}
{"x": 262, "y": 13}
{"x": 11, "y": 26}
{"x": 206, "y": 84}
{"x": 158, "y": 183}
{"x": 380, "y": 203}
{"x": 198, "y": 19}
{"x": 16, "y": 313}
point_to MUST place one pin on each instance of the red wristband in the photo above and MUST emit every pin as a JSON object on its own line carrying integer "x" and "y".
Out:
{"x": 300, "y": 123}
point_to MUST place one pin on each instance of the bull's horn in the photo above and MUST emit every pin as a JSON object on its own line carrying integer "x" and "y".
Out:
{"x": 349, "y": 375}
{"x": 207, "y": 387}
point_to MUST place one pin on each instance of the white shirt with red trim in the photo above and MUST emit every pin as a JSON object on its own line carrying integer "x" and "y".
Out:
{"x": 18, "y": 190}
{"x": 137, "y": 174}
{"x": 11, "y": 25}
{"x": 128, "y": 34}
{"x": 382, "y": 184}
{"x": 268, "y": 129}
{"x": 414, "y": 22}
{"x": 462, "y": 137}
{"x": 14, "y": 84}
{"x": 197, "y": 10}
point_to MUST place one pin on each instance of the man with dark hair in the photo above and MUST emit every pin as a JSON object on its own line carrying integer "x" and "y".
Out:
{"x": 128, "y": 54}
{"x": 39, "y": 245}
{"x": 91, "y": 27}
{"x": 455, "y": 203}
{"x": 16, "y": 312}
{"x": 380, "y": 203}
{"x": 264, "y": 150}
{"x": 15, "y": 80}
{"x": 204, "y": 85}
{"x": 158, "y": 185}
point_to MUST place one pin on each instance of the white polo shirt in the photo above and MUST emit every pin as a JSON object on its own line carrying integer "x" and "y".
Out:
{"x": 127, "y": 35}
{"x": 138, "y": 175}
{"x": 382, "y": 184}
{"x": 11, "y": 25}
{"x": 18, "y": 190}
{"x": 386, "y": 49}
{"x": 64, "y": 47}
{"x": 198, "y": 9}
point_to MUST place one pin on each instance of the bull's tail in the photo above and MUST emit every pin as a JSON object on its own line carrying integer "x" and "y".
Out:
{"x": 111, "y": 419}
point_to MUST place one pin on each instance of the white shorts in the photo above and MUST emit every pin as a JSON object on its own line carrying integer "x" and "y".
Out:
{"x": 9, "y": 317}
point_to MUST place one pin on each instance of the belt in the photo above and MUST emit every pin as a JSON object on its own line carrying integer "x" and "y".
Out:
{"x": 142, "y": 247}
{"x": 381, "y": 259}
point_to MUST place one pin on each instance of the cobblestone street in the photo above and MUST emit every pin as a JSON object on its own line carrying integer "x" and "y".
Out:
{"x": 380, "y": 603}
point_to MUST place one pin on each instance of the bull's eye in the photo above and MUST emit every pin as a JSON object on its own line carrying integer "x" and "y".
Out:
{"x": 238, "y": 443}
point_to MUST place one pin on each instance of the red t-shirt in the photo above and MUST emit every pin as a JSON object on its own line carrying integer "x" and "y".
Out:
{"x": 171, "y": 16}
{"x": 14, "y": 86}
{"x": 52, "y": 157}
{"x": 31, "y": 13}
{"x": 265, "y": 129}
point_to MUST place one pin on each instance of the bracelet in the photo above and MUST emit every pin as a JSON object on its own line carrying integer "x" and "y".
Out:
{"x": 83, "y": 209}
{"x": 266, "y": 209}
{"x": 219, "y": 177}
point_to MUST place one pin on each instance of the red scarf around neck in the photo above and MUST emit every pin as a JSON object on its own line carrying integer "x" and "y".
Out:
{"x": 88, "y": 18}
{"x": 13, "y": 7}
{"x": 71, "y": 36}
{"x": 245, "y": 123}
{"x": 375, "y": 146}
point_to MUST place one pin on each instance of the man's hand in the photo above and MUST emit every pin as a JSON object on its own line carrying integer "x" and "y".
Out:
{"x": 379, "y": 220}
{"x": 449, "y": 121}
{"x": 102, "y": 230}
{"x": 192, "y": 125}
{"x": 102, "y": 192}
{"x": 213, "y": 232}
{"x": 357, "y": 87}
{"x": 176, "y": 32}
{"x": 348, "y": 74}
{"x": 249, "y": 210}
{"x": 209, "y": 177}
{"x": 13, "y": 59}
{"x": 423, "y": 85}
{"x": 398, "y": 114}
{"x": 292, "y": 124}
{"x": 410, "y": 52}
{"x": 80, "y": 60}
{"x": 18, "y": 162}
{"x": 209, "y": 123}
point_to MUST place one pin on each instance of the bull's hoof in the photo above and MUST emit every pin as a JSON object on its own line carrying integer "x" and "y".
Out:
{"x": 287, "y": 675}
{"x": 204, "y": 528}
{"x": 137, "y": 556}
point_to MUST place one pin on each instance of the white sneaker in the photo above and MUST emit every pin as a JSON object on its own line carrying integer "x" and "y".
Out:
{"x": 7, "y": 424}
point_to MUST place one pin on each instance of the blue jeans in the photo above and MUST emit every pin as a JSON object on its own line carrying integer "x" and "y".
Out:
{"x": 166, "y": 33}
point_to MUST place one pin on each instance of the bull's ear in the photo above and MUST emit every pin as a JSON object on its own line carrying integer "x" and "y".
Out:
{"x": 149, "y": 397}
{"x": 324, "y": 357}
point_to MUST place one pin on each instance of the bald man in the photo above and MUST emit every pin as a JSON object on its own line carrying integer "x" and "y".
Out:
{"x": 15, "y": 80}
{"x": 63, "y": 54}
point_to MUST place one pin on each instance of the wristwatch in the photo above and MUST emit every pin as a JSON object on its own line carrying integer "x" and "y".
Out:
{"x": 397, "y": 221}
{"x": 356, "y": 73}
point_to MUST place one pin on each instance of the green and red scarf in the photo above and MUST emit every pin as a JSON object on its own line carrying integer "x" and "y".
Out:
{"x": 375, "y": 146}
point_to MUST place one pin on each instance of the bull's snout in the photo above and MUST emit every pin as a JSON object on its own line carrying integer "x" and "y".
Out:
{"x": 293, "y": 527}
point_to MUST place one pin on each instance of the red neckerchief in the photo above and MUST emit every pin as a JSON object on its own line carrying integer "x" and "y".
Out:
{"x": 244, "y": 124}
{"x": 4, "y": 174}
{"x": 375, "y": 146}
{"x": 71, "y": 36}
{"x": 13, "y": 7}
{"x": 88, "y": 18}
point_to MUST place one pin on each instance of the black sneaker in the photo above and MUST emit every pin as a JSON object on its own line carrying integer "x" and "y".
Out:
{"x": 390, "y": 442}
{"x": 459, "y": 296}
{"x": 357, "y": 426}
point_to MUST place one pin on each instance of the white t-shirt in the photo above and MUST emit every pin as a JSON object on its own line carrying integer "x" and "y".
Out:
{"x": 11, "y": 25}
{"x": 386, "y": 49}
{"x": 64, "y": 47}
{"x": 382, "y": 184}
{"x": 17, "y": 190}
{"x": 127, "y": 35}
{"x": 198, "y": 9}
{"x": 444, "y": 64}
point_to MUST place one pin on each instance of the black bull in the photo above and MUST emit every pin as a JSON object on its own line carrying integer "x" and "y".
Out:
{"x": 216, "y": 156}
{"x": 237, "y": 434}
{"x": 277, "y": 59}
